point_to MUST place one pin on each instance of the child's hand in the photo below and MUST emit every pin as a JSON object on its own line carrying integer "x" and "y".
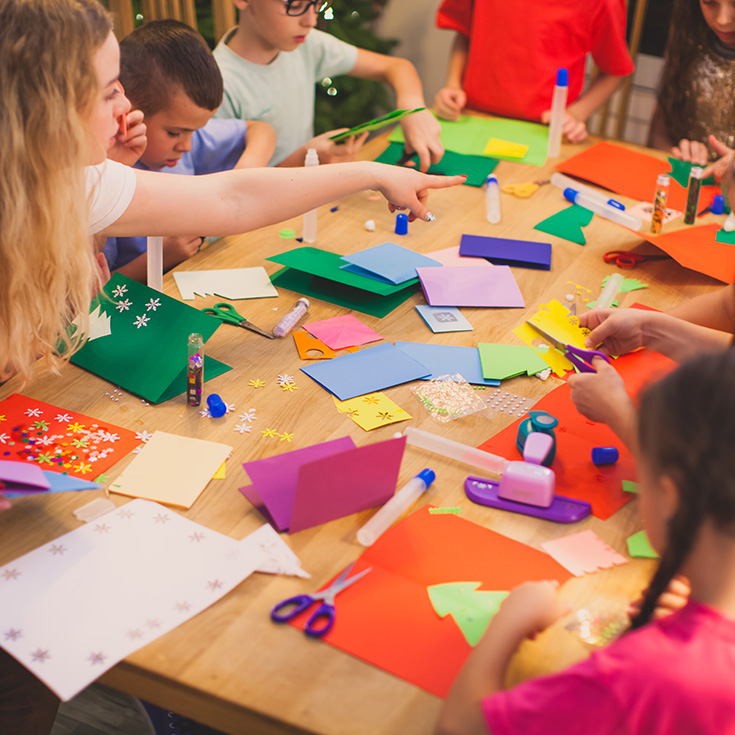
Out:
{"x": 575, "y": 130}
{"x": 722, "y": 165}
{"x": 601, "y": 396}
{"x": 405, "y": 188}
{"x": 673, "y": 598}
{"x": 331, "y": 152}
{"x": 177, "y": 249}
{"x": 129, "y": 148}
{"x": 614, "y": 331}
{"x": 531, "y": 608}
{"x": 449, "y": 103}
{"x": 421, "y": 131}
{"x": 691, "y": 150}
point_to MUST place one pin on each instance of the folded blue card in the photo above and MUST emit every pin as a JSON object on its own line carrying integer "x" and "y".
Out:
{"x": 388, "y": 262}
{"x": 447, "y": 360}
{"x": 501, "y": 251}
{"x": 366, "y": 371}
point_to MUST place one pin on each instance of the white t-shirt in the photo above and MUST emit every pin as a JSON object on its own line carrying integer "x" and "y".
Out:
{"x": 282, "y": 92}
{"x": 110, "y": 189}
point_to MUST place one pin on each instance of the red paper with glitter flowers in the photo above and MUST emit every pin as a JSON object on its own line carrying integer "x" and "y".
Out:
{"x": 60, "y": 440}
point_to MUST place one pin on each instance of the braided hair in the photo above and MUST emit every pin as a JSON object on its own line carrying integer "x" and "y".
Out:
{"x": 686, "y": 431}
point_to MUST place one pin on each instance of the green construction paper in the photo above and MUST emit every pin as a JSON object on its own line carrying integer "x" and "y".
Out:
{"x": 680, "y": 171}
{"x": 500, "y": 362}
{"x": 146, "y": 360}
{"x": 640, "y": 546}
{"x": 567, "y": 224}
{"x": 592, "y": 304}
{"x": 471, "y": 609}
{"x": 378, "y": 122}
{"x": 629, "y": 284}
{"x": 629, "y": 486}
{"x": 469, "y": 135}
{"x": 725, "y": 236}
{"x": 339, "y": 294}
{"x": 476, "y": 168}
{"x": 327, "y": 265}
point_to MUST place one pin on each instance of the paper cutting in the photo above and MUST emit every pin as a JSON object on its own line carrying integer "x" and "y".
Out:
{"x": 233, "y": 283}
{"x": 583, "y": 553}
{"x": 388, "y": 262}
{"x": 567, "y": 224}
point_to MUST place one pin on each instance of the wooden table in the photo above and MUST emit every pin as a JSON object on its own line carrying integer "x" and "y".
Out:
{"x": 230, "y": 667}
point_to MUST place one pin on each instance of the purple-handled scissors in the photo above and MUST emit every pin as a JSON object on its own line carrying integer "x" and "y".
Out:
{"x": 581, "y": 359}
{"x": 294, "y": 606}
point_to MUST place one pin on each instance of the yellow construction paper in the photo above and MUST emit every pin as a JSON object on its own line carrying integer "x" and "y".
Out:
{"x": 372, "y": 410}
{"x": 171, "y": 469}
{"x": 497, "y": 147}
{"x": 220, "y": 473}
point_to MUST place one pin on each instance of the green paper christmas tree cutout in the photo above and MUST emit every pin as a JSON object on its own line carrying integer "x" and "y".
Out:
{"x": 567, "y": 224}
{"x": 470, "y": 608}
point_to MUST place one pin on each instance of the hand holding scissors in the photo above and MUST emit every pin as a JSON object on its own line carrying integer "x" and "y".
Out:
{"x": 581, "y": 359}
{"x": 226, "y": 312}
{"x": 630, "y": 259}
{"x": 294, "y": 606}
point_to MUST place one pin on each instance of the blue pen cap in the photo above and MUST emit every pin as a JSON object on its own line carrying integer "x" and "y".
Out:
{"x": 605, "y": 455}
{"x": 570, "y": 193}
{"x": 401, "y": 224}
{"x": 718, "y": 204}
{"x": 428, "y": 476}
{"x": 216, "y": 405}
{"x": 562, "y": 78}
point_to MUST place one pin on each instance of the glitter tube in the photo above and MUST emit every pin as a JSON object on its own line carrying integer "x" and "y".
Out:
{"x": 695, "y": 183}
{"x": 291, "y": 319}
{"x": 659, "y": 202}
{"x": 195, "y": 370}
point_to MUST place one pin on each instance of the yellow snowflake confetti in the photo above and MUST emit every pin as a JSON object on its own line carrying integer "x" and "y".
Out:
{"x": 75, "y": 427}
{"x": 269, "y": 433}
{"x": 291, "y": 387}
{"x": 286, "y": 437}
{"x": 257, "y": 383}
{"x": 83, "y": 468}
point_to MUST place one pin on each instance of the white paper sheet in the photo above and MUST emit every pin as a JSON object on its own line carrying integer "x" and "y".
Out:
{"x": 233, "y": 283}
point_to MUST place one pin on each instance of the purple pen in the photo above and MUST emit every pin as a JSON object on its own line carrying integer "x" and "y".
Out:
{"x": 291, "y": 319}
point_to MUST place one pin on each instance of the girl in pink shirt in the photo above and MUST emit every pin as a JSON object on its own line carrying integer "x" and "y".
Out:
{"x": 667, "y": 676}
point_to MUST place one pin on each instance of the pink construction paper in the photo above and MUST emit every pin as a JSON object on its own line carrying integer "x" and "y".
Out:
{"x": 470, "y": 286}
{"x": 583, "y": 553}
{"x": 451, "y": 257}
{"x": 342, "y": 331}
{"x": 22, "y": 477}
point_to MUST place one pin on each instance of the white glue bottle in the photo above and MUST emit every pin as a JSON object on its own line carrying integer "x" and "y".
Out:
{"x": 309, "y": 230}
{"x": 558, "y": 107}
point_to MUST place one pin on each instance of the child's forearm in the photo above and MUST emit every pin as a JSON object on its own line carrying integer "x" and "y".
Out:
{"x": 457, "y": 62}
{"x": 137, "y": 269}
{"x": 598, "y": 93}
{"x": 715, "y": 310}
{"x": 680, "y": 339}
{"x": 399, "y": 73}
{"x": 260, "y": 142}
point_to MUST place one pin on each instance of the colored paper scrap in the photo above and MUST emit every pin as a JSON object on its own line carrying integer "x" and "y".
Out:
{"x": 379, "y": 122}
{"x": 311, "y": 348}
{"x": 567, "y": 224}
{"x": 502, "y": 251}
{"x": 146, "y": 352}
{"x": 583, "y": 553}
{"x": 171, "y": 469}
{"x": 475, "y": 168}
{"x": 629, "y": 173}
{"x": 640, "y": 547}
{"x": 628, "y": 284}
{"x": 343, "y": 331}
{"x": 500, "y": 362}
{"x": 681, "y": 170}
{"x": 221, "y": 472}
{"x": 92, "y": 597}
{"x": 372, "y": 410}
{"x": 340, "y": 294}
{"x": 469, "y": 135}
{"x": 387, "y": 618}
{"x": 470, "y": 608}
{"x": 58, "y": 439}
{"x": 233, "y": 283}
{"x": 366, "y": 371}
{"x": 576, "y": 437}
{"x": 388, "y": 262}
{"x": 629, "y": 486}
{"x": 446, "y": 360}
{"x": 451, "y": 257}
{"x": 443, "y": 318}
{"x": 306, "y": 487}
{"x": 22, "y": 477}
{"x": 470, "y": 286}
{"x": 725, "y": 236}
{"x": 698, "y": 248}
{"x": 504, "y": 149}
{"x": 277, "y": 557}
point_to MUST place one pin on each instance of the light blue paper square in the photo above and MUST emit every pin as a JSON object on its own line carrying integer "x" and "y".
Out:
{"x": 447, "y": 360}
{"x": 388, "y": 262}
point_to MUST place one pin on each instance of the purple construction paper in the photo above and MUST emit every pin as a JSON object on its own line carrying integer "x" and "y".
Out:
{"x": 274, "y": 478}
{"x": 23, "y": 477}
{"x": 502, "y": 251}
{"x": 470, "y": 286}
{"x": 346, "y": 483}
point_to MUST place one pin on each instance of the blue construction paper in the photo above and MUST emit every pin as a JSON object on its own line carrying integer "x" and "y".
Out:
{"x": 366, "y": 371}
{"x": 60, "y": 483}
{"x": 502, "y": 251}
{"x": 388, "y": 262}
{"x": 447, "y": 360}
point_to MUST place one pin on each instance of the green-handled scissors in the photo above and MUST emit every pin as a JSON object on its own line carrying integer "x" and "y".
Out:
{"x": 226, "y": 312}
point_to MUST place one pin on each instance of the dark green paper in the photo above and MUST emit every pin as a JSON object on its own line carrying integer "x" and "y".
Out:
{"x": 378, "y": 122}
{"x": 567, "y": 224}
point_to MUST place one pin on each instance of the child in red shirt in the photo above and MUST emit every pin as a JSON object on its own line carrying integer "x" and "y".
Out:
{"x": 505, "y": 57}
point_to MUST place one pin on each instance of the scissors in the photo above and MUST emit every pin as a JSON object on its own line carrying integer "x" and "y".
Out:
{"x": 581, "y": 359}
{"x": 629, "y": 259}
{"x": 524, "y": 190}
{"x": 324, "y": 612}
{"x": 226, "y": 312}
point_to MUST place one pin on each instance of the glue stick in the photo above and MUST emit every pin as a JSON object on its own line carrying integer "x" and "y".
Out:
{"x": 695, "y": 183}
{"x": 309, "y": 229}
{"x": 610, "y": 291}
{"x": 558, "y": 107}
{"x": 659, "y": 202}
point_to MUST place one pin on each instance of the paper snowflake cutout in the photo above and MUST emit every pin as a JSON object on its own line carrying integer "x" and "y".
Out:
{"x": 270, "y": 433}
{"x": 161, "y": 518}
{"x": 123, "y": 512}
{"x": 57, "y": 549}
{"x": 205, "y": 412}
{"x": 3, "y": 418}
{"x": 10, "y": 574}
{"x": 141, "y": 321}
{"x": 45, "y": 440}
{"x": 124, "y": 305}
{"x": 111, "y": 437}
{"x": 4, "y": 438}
{"x": 371, "y": 399}
{"x": 290, "y": 387}
{"x": 13, "y": 634}
{"x": 34, "y": 412}
{"x": 198, "y": 536}
{"x": 101, "y": 528}
{"x": 243, "y": 428}
{"x": 144, "y": 436}
{"x": 120, "y": 290}
{"x": 152, "y": 304}
{"x": 281, "y": 379}
{"x": 83, "y": 468}
{"x": 286, "y": 437}
{"x": 40, "y": 655}
{"x": 183, "y": 606}
{"x": 75, "y": 428}
{"x": 257, "y": 383}
{"x": 385, "y": 416}
{"x": 153, "y": 623}
{"x": 134, "y": 634}
{"x": 64, "y": 418}
{"x": 229, "y": 407}
{"x": 96, "y": 658}
{"x": 215, "y": 584}
{"x": 249, "y": 415}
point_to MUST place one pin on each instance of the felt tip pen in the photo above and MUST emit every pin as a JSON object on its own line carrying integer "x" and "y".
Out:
{"x": 395, "y": 508}
{"x": 195, "y": 369}
{"x": 558, "y": 108}
{"x": 492, "y": 200}
{"x": 604, "y": 210}
{"x": 564, "y": 182}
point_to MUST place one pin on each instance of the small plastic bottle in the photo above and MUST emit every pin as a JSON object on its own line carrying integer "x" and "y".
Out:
{"x": 195, "y": 370}
{"x": 659, "y": 202}
{"x": 558, "y": 108}
{"x": 309, "y": 229}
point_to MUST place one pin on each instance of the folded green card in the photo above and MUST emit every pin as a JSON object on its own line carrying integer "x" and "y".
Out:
{"x": 378, "y": 122}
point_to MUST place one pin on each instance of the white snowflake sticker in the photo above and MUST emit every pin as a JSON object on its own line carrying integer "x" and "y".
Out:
{"x": 142, "y": 321}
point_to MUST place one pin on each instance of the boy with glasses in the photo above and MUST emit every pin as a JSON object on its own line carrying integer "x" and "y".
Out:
{"x": 271, "y": 62}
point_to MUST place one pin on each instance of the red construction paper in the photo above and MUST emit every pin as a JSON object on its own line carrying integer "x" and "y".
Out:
{"x": 57, "y": 439}
{"x": 387, "y": 618}
{"x": 630, "y": 173}
{"x": 576, "y": 437}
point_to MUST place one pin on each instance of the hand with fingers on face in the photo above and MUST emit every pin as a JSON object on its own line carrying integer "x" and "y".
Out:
{"x": 422, "y": 134}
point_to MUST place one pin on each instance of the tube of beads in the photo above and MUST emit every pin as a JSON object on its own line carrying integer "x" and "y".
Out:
{"x": 291, "y": 319}
{"x": 195, "y": 370}
{"x": 695, "y": 183}
{"x": 659, "y": 202}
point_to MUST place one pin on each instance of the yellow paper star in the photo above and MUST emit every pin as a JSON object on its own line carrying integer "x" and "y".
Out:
{"x": 257, "y": 383}
{"x": 286, "y": 437}
{"x": 269, "y": 433}
{"x": 290, "y": 387}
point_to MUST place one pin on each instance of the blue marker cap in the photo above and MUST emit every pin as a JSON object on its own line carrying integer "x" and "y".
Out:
{"x": 216, "y": 406}
{"x": 605, "y": 455}
{"x": 570, "y": 193}
{"x": 718, "y": 204}
{"x": 401, "y": 224}
{"x": 427, "y": 476}
{"x": 562, "y": 78}
{"x": 615, "y": 203}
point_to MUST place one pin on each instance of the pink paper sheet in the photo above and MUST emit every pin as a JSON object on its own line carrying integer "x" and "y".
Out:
{"x": 342, "y": 331}
{"x": 451, "y": 257}
{"x": 583, "y": 553}
{"x": 470, "y": 286}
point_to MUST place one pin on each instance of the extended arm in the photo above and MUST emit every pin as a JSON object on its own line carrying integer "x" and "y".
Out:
{"x": 260, "y": 142}
{"x": 451, "y": 100}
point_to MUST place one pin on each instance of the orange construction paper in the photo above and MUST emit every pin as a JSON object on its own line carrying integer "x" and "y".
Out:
{"x": 387, "y": 618}
{"x": 576, "y": 437}
{"x": 630, "y": 173}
